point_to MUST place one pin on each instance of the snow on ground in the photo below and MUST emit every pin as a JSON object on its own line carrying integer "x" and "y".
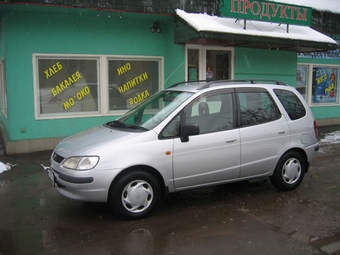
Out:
{"x": 331, "y": 138}
{"x": 5, "y": 167}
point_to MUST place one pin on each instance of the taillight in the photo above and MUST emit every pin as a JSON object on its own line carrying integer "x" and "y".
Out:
{"x": 316, "y": 130}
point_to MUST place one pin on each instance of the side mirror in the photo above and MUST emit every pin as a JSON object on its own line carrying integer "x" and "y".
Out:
{"x": 188, "y": 130}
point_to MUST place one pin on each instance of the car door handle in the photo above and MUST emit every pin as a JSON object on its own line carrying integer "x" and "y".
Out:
{"x": 231, "y": 141}
{"x": 282, "y": 132}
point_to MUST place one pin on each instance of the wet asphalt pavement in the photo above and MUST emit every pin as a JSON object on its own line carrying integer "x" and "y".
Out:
{"x": 241, "y": 218}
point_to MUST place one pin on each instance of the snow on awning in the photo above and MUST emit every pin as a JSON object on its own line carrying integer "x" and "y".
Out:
{"x": 198, "y": 28}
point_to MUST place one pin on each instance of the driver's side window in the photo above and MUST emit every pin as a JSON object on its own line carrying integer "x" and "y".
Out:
{"x": 212, "y": 113}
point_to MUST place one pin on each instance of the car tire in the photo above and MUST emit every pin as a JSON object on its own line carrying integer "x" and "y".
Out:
{"x": 134, "y": 195}
{"x": 289, "y": 171}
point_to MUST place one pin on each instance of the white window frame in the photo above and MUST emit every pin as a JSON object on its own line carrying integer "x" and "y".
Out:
{"x": 103, "y": 81}
{"x": 3, "y": 87}
{"x": 307, "y": 77}
{"x": 310, "y": 67}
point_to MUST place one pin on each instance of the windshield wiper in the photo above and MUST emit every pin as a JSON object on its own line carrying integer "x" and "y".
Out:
{"x": 121, "y": 124}
{"x": 116, "y": 123}
{"x": 137, "y": 127}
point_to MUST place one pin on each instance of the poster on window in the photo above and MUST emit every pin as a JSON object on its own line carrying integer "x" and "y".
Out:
{"x": 325, "y": 85}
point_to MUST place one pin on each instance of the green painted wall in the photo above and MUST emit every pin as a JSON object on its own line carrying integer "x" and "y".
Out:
{"x": 74, "y": 31}
{"x": 26, "y": 30}
{"x": 265, "y": 64}
{"x": 3, "y": 120}
{"x": 326, "y": 112}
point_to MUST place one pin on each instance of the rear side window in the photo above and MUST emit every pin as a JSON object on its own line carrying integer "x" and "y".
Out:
{"x": 292, "y": 104}
{"x": 257, "y": 107}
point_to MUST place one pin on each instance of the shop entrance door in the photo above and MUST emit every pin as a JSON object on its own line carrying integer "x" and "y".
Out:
{"x": 217, "y": 64}
{"x": 207, "y": 63}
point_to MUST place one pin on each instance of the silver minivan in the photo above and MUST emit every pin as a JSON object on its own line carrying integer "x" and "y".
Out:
{"x": 193, "y": 134}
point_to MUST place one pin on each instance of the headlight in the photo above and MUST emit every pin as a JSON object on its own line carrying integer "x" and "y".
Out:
{"x": 81, "y": 163}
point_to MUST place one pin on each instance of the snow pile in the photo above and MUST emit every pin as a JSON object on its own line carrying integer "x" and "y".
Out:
{"x": 333, "y": 137}
{"x": 205, "y": 22}
{"x": 5, "y": 167}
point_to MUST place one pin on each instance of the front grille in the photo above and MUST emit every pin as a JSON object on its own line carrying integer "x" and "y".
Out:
{"x": 57, "y": 158}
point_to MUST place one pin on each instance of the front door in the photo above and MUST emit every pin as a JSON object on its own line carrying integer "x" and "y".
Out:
{"x": 213, "y": 155}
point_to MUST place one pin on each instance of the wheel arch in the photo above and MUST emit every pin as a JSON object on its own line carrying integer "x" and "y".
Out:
{"x": 144, "y": 168}
{"x": 302, "y": 153}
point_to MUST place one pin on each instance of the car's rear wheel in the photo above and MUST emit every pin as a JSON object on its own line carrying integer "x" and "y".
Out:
{"x": 289, "y": 171}
{"x": 134, "y": 195}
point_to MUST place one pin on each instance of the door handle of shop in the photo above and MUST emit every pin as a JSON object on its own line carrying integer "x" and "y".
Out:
{"x": 231, "y": 141}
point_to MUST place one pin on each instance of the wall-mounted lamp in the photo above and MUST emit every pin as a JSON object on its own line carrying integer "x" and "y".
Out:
{"x": 156, "y": 28}
{"x": 109, "y": 16}
{"x": 98, "y": 14}
{"x": 120, "y": 16}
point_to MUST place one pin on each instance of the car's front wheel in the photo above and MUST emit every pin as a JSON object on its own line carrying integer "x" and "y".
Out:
{"x": 134, "y": 195}
{"x": 289, "y": 171}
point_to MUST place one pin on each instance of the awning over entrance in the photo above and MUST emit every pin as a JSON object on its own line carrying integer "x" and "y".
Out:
{"x": 193, "y": 28}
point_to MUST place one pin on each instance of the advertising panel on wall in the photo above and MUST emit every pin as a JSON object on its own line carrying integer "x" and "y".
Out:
{"x": 332, "y": 54}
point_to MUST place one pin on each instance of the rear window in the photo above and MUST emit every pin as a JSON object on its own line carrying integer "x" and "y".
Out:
{"x": 292, "y": 104}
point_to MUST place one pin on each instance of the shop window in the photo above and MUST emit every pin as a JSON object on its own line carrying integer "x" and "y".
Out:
{"x": 325, "y": 85}
{"x": 131, "y": 81}
{"x": 3, "y": 87}
{"x": 318, "y": 84}
{"x": 88, "y": 86}
{"x": 302, "y": 80}
{"x": 67, "y": 85}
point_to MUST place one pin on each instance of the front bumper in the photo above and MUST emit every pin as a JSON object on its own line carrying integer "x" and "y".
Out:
{"x": 90, "y": 186}
{"x": 72, "y": 179}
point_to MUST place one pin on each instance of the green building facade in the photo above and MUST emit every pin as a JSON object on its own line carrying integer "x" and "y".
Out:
{"x": 64, "y": 70}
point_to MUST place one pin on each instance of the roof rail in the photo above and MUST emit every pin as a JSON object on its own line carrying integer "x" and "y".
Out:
{"x": 188, "y": 83}
{"x": 251, "y": 81}
{"x": 208, "y": 83}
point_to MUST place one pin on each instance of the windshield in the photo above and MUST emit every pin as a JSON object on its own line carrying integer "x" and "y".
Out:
{"x": 153, "y": 111}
